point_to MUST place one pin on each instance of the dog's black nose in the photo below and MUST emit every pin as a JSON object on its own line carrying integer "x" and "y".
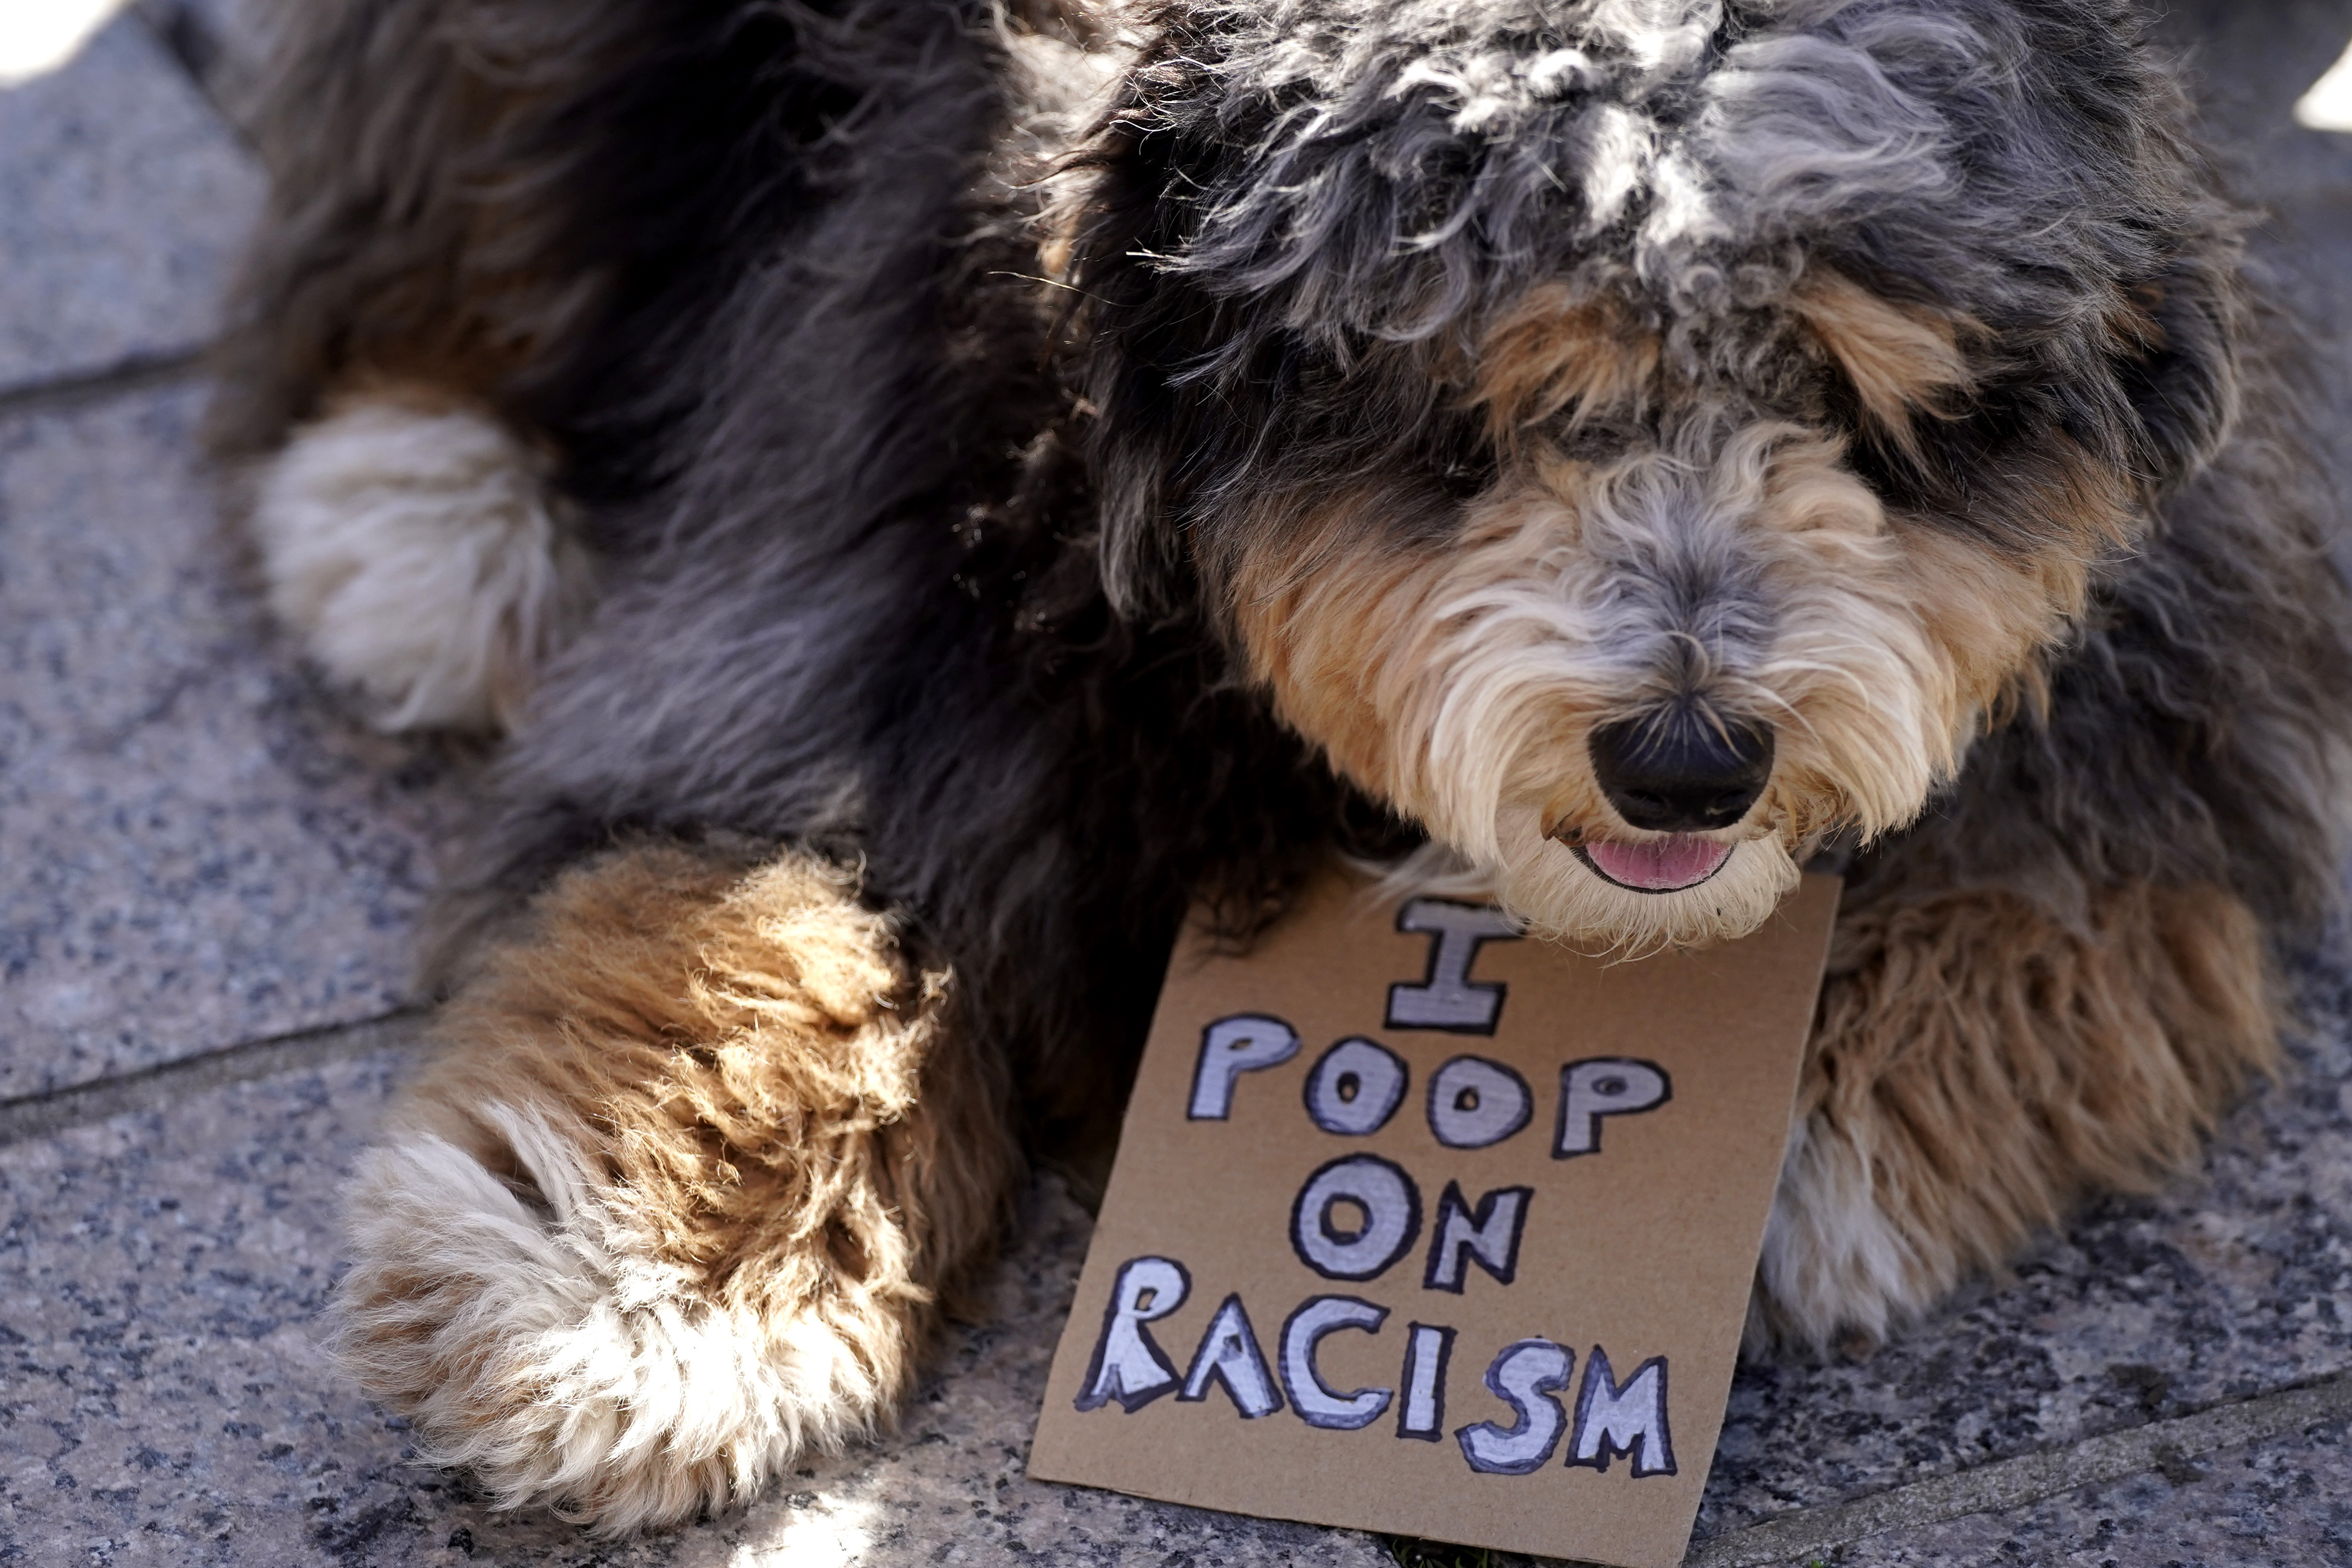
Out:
{"x": 1678, "y": 771}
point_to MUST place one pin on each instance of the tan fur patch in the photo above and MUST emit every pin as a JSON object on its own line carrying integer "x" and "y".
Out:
{"x": 2131, "y": 321}
{"x": 1318, "y": 615}
{"x": 1904, "y": 360}
{"x": 758, "y": 1154}
{"x": 1450, "y": 679}
{"x": 1460, "y": 679}
{"x": 1982, "y": 1062}
{"x": 1552, "y": 351}
{"x": 2087, "y": 509}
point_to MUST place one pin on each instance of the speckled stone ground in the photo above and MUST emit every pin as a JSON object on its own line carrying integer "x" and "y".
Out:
{"x": 164, "y": 1396}
{"x": 119, "y": 162}
{"x": 195, "y": 850}
{"x": 207, "y": 878}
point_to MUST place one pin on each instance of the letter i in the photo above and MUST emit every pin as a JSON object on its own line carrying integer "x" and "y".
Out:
{"x": 1422, "y": 1413}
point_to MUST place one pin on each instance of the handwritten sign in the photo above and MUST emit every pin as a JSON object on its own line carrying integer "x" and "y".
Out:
{"x": 1419, "y": 1225}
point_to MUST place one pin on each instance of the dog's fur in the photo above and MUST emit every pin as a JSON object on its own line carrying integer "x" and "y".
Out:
{"x": 1038, "y": 466}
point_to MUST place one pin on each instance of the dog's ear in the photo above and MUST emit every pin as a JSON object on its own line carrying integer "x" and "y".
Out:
{"x": 2175, "y": 339}
{"x": 1138, "y": 326}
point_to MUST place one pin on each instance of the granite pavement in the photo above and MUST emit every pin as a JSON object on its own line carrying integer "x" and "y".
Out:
{"x": 208, "y": 878}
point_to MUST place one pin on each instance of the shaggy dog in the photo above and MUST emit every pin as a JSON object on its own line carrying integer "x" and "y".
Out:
{"x": 932, "y": 489}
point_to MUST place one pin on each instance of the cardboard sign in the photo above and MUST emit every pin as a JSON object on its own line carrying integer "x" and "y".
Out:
{"x": 1421, "y": 1226}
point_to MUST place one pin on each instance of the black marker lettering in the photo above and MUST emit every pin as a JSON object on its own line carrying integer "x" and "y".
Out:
{"x": 1324, "y": 1238}
{"x": 1446, "y": 997}
{"x": 1421, "y": 1414}
{"x": 1315, "y": 1401}
{"x": 1527, "y": 1376}
{"x": 1229, "y": 1047}
{"x": 1355, "y": 1087}
{"x": 1229, "y": 1354}
{"x": 1604, "y": 1086}
{"x": 1489, "y": 1234}
{"x": 1474, "y": 1102}
{"x": 1627, "y": 1418}
{"x": 1128, "y": 1366}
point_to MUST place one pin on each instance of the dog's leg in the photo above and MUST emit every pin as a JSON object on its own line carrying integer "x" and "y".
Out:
{"x": 681, "y": 1196}
{"x": 408, "y": 280}
{"x": 411, "y": 540}
{"x": 495, "y": 229}
{"x": 1980, "y": 1063}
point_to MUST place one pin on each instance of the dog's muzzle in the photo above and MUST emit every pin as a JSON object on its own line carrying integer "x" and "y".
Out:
{"x": 1681, "y": 773}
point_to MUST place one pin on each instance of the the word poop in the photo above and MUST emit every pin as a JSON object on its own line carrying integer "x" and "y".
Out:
{"x": 1360, "y": 1217}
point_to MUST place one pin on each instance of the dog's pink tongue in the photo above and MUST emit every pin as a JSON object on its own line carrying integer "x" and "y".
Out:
{"x": 1659, "y": 865}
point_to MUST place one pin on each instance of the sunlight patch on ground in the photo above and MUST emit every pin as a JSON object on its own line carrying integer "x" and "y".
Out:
{"x": 37, "y": 37}
{"x": 800, "y": 1530}
{"x": 2328, "y": 105}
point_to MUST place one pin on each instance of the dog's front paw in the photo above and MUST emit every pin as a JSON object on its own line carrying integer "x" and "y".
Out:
{"x": 679, "y": 1201}
{"x": 1982, "y": 1065}
{"x": 418, "y": 552}
{"x": 533, "y": 1324}
{"x": 1838, "y": 1265}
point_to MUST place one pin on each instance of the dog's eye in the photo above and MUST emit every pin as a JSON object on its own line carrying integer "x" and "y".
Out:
{"x": 1594, "y": 441}
{"x": 1462, "y": 479}
{"x": 1894, "y": 477}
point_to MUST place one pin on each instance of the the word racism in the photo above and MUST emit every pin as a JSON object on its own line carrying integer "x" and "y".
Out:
{"x": 1358, "y": 1216}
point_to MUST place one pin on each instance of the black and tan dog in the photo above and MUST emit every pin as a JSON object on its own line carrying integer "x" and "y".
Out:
{"x": 933, "y": 489}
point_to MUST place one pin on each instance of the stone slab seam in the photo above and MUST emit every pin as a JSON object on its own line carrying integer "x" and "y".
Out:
{"x": 43, "y": 1115}
{"x": 2030, "y": 1478}
{"x": 136, "y": 374}
{"x": 185, "y": 34}
{"x": 206, "y": 58}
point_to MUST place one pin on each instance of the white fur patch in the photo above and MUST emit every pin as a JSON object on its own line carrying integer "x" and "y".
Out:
{"x": 418, "y": 555}
{"x": 1835, "y": 1262}
{"x": 557, "y": 1356}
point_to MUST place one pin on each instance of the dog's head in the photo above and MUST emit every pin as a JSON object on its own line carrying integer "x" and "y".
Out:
{"x": 1638, "y": 437}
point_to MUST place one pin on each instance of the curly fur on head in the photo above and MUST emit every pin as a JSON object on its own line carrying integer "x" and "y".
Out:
{"x": 1072, "y": 460}
{"x": 1811, "y": 352}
